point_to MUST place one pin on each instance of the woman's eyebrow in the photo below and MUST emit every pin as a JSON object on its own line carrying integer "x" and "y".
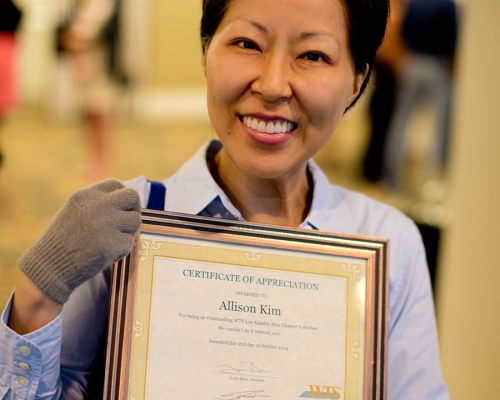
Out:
{"x": 307, "y": 35}
{"x": 312, "y": 34}
{"x": 259, "y": 26}
{"x": 302, "y": 36}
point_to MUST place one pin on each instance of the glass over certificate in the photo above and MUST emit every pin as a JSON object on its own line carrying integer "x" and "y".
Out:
{"x": 224, "y": 310}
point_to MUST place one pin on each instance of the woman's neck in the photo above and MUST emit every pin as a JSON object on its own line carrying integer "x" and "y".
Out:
{"x": 285, "y": 201}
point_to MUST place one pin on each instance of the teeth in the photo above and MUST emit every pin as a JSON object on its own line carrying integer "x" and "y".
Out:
{"x": 262, "y": 126}
{"x": 277, "y": 127}
{"x": 269, "y": 127}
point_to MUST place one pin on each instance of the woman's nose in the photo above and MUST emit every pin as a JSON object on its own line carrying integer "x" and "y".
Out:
{"x": 273, "y": 79}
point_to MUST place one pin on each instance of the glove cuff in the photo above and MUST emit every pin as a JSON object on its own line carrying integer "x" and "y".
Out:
{"x": 43, "y": 263}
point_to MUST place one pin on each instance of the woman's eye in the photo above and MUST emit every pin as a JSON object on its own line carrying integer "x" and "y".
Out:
{"x": 247, "y": 44}
{"x": 315, "y": 57}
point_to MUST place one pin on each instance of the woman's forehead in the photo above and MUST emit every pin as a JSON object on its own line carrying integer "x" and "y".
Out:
{"x": 303, "y": 17}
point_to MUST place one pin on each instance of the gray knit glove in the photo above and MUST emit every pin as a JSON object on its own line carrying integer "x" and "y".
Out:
{"x": 95, "y": 227}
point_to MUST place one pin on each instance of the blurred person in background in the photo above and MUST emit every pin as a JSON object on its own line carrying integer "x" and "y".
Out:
{"x": 387, "y": 65}
{"x": 10, "y": 16}
{"x": 88, "y": 38}
{"x": 429, "y": 31}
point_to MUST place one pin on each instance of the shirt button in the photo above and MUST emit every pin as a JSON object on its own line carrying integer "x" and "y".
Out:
{"x": 23, "y": 381}
{"x": 25, "y": 367}
{"x": 25, "y": 351}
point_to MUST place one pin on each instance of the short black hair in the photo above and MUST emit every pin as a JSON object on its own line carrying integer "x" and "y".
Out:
{"x": 366, "y": 22}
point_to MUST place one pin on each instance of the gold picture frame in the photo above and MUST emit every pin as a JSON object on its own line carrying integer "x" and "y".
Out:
{"x": 206, "y": 307}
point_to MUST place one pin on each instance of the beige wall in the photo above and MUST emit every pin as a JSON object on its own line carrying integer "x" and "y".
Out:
{"x": 469, "y": 290}
{"x": 174, "y": 45}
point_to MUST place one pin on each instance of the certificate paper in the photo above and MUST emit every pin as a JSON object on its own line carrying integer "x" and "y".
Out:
{"x": 225, "y": 320}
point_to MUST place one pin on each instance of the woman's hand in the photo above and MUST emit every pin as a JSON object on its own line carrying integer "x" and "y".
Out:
{"x": 95, "y": 227}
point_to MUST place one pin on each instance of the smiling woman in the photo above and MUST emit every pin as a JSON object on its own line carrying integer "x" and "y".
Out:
{"x": 296, "y": 71}
{"x": 280, "y": 75}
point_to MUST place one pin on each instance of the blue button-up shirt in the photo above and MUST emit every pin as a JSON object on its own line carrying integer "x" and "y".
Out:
{"x": 61, "y": 356}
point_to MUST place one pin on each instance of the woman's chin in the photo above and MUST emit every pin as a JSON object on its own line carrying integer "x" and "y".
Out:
{"x": 276, "y": 170}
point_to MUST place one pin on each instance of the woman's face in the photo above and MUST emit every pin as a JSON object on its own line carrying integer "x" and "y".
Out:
{"x": 279, "y": 77}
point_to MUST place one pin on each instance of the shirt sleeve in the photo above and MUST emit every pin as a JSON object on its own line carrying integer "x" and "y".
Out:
{"x": 142, "y": 186}
{"x": 414, "y": 370}
{"x": 29, "y": 364}
{"x": 59, "y": 360}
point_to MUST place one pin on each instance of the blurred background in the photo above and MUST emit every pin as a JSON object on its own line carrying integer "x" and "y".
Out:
{"x": 91, "y": 89}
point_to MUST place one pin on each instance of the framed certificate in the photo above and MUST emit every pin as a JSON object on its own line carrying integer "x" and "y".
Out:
{"x": 210, "y": 308}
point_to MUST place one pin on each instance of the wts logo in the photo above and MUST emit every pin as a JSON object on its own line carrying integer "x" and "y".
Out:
{"x": 328, "y": 392}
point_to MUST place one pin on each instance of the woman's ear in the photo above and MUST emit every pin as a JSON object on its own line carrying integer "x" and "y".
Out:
{"x": 359, "y": 79}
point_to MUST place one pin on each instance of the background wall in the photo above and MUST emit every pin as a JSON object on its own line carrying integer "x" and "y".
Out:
{"x": 174, "y": 83}
{"x": 469, "y": 292}
{"x": 175, "y": 53}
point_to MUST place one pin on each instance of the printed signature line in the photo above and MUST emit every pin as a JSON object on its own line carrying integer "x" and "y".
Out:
{"x": 248, "y": 394}
{"x": 251, "y": 376}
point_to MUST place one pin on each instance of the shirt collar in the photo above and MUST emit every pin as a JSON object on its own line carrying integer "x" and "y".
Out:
{"x": 322, "y": 201}
{"x": 192, "y": 189}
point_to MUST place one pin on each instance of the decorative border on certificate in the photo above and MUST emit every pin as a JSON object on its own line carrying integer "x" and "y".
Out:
{"x": 225, "y": 309}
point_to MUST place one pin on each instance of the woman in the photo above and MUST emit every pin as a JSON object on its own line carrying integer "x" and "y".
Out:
{"x": 278, "y": 84}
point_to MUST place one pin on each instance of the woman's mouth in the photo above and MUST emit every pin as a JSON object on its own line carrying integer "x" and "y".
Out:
{"x": 276, "y": 126}
{"x": 269, "y": 131}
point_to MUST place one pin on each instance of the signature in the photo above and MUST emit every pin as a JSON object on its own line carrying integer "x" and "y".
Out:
{"x": 248, "y": 366}
{"x": 250, "y": 394}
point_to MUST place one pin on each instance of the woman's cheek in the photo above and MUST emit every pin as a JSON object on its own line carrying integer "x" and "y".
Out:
{"x": 324, "y": 106}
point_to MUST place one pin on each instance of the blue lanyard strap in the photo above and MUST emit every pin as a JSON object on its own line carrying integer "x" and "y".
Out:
{"x": 157, "y": 194}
